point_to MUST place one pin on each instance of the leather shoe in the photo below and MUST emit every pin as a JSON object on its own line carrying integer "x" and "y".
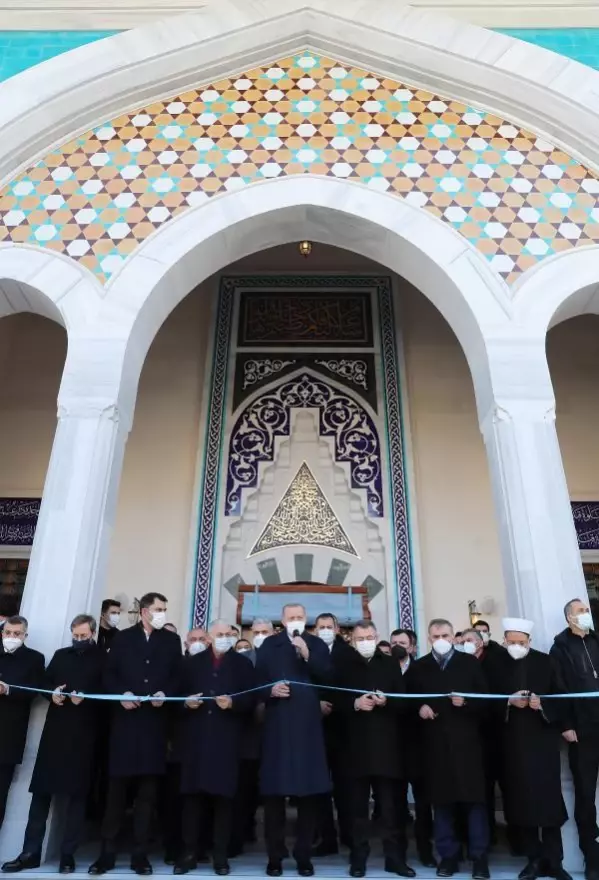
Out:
{"x": 22, "y": 863}
{"x": 480, "y": 869}
{"x": 141, "y": 866}
{"x": 400, "y": 868}
{"x": 67, "y": 865}
{"x": 185, "y": 865}
{"x": 357, "y": 871}
{"x": 447, "y": 868}
{"x": 105, "y": 863}
{"x": 305, "y": 869}
{"x": 222, "y": 869}
{"x": 274, "y": 869}
{"x": 559, "y": 873}
{"x": 531, "y": 870}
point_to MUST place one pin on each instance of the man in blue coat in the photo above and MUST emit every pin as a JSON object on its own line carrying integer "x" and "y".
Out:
{"x": 293, "y": 751}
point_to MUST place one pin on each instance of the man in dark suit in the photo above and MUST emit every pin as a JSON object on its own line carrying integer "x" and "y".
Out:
{"x": 144, "y": 661}
{"x": 210, "y": 745}
{"x": 63, "y": 767}
{"x": 109, "y": 623}
{"x": 293, "y": 752}
{"x": 19, "y": 665}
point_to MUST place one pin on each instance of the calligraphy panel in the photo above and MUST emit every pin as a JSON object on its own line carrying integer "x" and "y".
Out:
{"x": 304, "y": 318}
{"x": 18, "y": 520}
{"x": 586, "y": 522}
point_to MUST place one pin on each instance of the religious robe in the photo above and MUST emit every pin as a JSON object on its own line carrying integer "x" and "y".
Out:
{"x": 453, "y": 755}
{"x": 530, "y": 742}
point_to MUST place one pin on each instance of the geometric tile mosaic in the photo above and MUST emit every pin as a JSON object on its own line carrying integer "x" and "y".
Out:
{"x": 516, "y": 197}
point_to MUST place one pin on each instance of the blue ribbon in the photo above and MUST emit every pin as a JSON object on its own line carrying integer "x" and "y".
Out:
{"x": 149, "y": 698}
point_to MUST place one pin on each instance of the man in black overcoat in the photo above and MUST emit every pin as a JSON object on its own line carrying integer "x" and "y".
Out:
{"x": 530, "y": 729}
{"x": 19, "y": 665}
{"x": 144, "y": 661}
{"x": 211, "y": 739}
{"x": 373, "y": 749}
{"x": 293, "y": 751}
{"x": 64, "y": 763}
{"x": 450, "y": 726}
{"x": 326, "y": 627}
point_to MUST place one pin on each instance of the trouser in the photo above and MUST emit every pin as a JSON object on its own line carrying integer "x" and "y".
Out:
{"x": 7, "y": 771}
{"x": 341, "y": 799}
{"x": 446, "y": 839}
{"x": 143, "y": 810}
{"x": 246, "y": 804}
{"x": 198, "y": 809}
{"x": 543, "y": 843}
{"x": 274, "y": 827}
{"x": 584, "y": 764}
{"x": 423, "y": 824}
{"x": 170, "y": 809}
{"x": 392, "y": 831}
{"x": 73, "y": 809}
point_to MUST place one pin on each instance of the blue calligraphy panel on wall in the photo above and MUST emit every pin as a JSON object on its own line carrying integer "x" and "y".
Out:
{"x": 18, "y": 519}
{"x": 586, "y": 522}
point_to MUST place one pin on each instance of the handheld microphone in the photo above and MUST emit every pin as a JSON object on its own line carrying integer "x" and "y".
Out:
{"x": 296, "y": 634}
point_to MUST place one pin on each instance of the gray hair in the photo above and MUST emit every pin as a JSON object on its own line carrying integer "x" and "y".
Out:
{"x": 80, "y": 619}
{"x": 264, "y": 621}
{"x": 568, "y": 606}
{"x": 219, "y": 621}
{"x": 292, "y": 605}
{"x": 440, "y": 621}
{"x": 18, "y": 620}
{"x": 364, "y": 624}
{"x": 473, "y": 632}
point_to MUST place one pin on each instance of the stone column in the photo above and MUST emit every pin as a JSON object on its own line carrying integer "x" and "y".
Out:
{"x": 69, "y": 556}
{"x": 541, "y": 560}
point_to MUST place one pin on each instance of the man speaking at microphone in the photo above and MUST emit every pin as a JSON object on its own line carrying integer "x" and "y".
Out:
{"x": 293, "y": 751}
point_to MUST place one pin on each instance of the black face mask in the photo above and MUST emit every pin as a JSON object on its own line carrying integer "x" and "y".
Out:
{"x": 399, "y": 652}
{"x": 81, "y": 645}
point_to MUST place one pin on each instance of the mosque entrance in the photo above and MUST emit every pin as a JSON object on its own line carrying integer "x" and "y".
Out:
{"x": 302, "y": 474}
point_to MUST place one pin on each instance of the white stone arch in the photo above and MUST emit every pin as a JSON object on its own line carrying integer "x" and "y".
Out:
{"x": 418, "y": 246}
{"x": 560, "y": 287}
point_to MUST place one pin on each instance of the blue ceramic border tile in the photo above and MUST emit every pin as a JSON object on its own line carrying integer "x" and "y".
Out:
{"x": 22, "y": 49}
{"x": 581, "y": 44}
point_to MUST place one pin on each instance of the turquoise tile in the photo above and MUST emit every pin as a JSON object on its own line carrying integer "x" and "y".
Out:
{"x": 581, "y": 44}
{"x": 22, "y": 49}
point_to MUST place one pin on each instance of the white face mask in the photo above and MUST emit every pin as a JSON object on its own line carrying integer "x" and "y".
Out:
{"x": 196, "y": 648}
{"x": 584, "y": 621}
{"x": 459, "y": 648}
{"x": 11, "y": 643}
{"x": 486, "y": 637}
{"x": 222, "y": 644}
{"x": 468, "y": 648}
{"x": 327, "y": 635}
{"x": 517, "y": 652}
{"x": 243, "y": 651}
{"x": 295, "y": 626}
{"x": 259, "y": 640}
{"x": 366, "y": 648}
{"x": 114, "y": 620}
{"x": 158, "y": 619}
{"x": 442, "y": 647}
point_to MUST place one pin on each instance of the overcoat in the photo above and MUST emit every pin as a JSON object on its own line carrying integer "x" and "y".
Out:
{"x": 372, "y": 745}
{"x": 25, "y": 667}
{"x": 143, "y": 666}
{"x": 334, "y": 724}
{"x": 211, "y": 738}
{"x": 66, "y": 752}
{"x": 293, "y": 752}
{"x": 530, "y": 742}
{"x": 454, "y": 769}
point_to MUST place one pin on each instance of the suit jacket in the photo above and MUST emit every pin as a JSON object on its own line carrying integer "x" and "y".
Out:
{"x": 25, "y": 667}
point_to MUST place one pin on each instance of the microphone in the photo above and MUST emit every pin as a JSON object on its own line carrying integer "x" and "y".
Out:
{"x": 296, "y": 634}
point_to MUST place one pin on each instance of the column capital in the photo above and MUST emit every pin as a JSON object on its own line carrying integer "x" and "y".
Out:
{"x": 524, "y": 412}
{"x": 77, "y": 408}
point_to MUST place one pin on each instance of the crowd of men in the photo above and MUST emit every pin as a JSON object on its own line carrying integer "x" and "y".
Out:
{"x": 322, "y": 718}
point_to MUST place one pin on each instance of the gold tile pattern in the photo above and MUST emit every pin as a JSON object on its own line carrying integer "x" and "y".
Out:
{"x": 516, "y": 197}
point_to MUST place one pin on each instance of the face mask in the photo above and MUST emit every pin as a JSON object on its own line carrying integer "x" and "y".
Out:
{"x": 327, "y": 635}
{"x": 222, "y": 644}
{"x": 366, "y": 649}
{"x": 468, "y": 648}
{"x": 11, "y": 643}
{"x": 158, "y": 619}
{"x": 442, "y": 647}
{"x": 81, "y": 645}
{"x": 243, "y": 651}
{"x": 399, "y": 652}
{"x": 114, "y": 620}
{"x": 517, "y": 652}
{"x": 259, "y": 640}
{"x": 196, "y": 648}
{"x": 486, "y": 637}
{"x": 584, "y": 621}
{"x": 295, "y": 626}
{"x": 459, "y": 648}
